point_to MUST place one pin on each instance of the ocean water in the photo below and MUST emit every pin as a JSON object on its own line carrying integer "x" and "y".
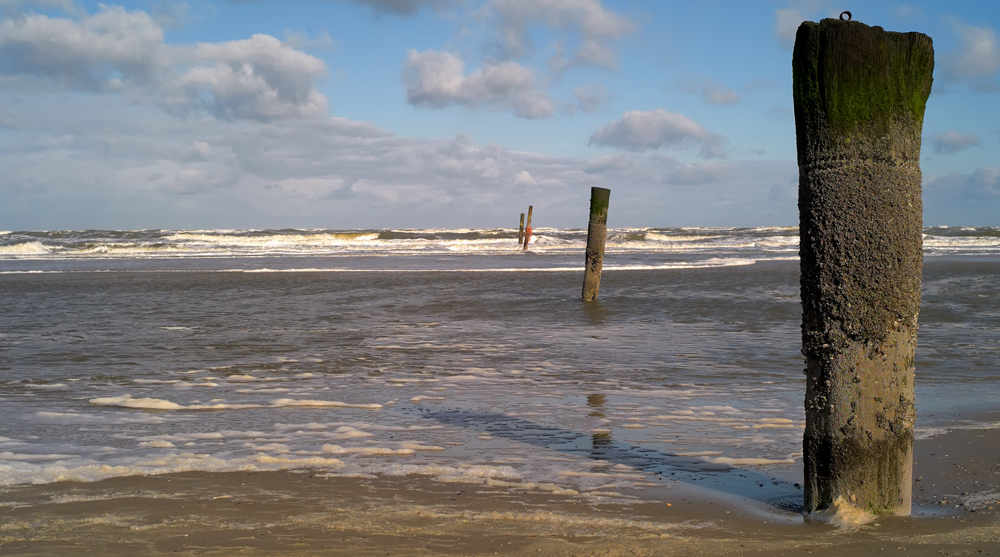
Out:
{"x": 446, "y": 353}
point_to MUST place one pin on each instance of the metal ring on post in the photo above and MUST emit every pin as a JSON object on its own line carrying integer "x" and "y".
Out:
{"x": 845, "y": 13}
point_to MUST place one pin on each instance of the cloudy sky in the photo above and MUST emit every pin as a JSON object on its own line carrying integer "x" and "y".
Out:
{"x": 447, "y": 113}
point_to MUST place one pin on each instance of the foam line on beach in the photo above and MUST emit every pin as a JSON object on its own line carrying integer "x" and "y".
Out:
{"x": 127, "y": 401}
{"x": 80, "y": 418}
{"x": 14, "y": 471}
{"x": 929, "y": 432}
{"x": 458, "y": 474}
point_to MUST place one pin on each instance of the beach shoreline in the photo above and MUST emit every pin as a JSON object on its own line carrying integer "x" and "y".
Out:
{"x": 309, "y": 512}
{"x": 466, "y": 413}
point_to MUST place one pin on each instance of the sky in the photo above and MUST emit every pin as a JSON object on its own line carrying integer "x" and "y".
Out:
{"x": 371, "y": 114}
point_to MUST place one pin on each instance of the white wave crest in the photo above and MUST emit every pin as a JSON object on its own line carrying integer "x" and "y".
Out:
{"x": 24, "y": 248}
{"x": 319, "y": 239}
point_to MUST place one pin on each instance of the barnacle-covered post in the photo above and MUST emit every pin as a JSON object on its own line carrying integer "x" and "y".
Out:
{"x": 859, "y": 95}
{"x": 597, "y": 234}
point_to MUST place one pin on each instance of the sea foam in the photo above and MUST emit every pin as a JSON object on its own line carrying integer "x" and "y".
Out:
{"x": 127, "y": 401}
{"x": 842, "y": 514}
{"x": 24, "y": 248}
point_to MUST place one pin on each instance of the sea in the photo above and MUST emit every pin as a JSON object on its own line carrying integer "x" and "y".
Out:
{"x": 452, "y": 354}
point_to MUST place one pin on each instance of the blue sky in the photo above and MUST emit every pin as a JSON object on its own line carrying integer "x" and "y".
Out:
{"x": 447, "y": 113}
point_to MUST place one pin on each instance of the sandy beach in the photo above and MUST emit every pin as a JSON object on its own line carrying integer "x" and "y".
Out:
{"x": 956, "y": 504}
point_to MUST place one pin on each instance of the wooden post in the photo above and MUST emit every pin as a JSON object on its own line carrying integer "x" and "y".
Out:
{"x": 859, "y": 96}
{"x": 597, "y": 234}
{"x": 520, "y": 231}
{"x": 527, "y": 228}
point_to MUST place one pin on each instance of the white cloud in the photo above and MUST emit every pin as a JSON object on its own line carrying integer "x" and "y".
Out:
{"x": 591, "y": 52}
{"x": 170, "y": 14}
{"x": 720, "y": 96}
{"x": 786, "y": 24}
{"x": 200, "y": 151}
{"x": 462, "y": 158}
{"x": 259, "y": 78}
{"x": 987, "y": 179}
{"x": 788, "y": 19}
{"x": 909, "y": 11}
{"x": 577, "y": 33}
{"x": 13, "y": 7}
{"x": 591, "y": 99}
{"x": 438, "y": 79}
{"x": 586, "y": 23}
{"x": 710, "y": 91}
{"x": 609, "y": 164}
{"x": 403, "y": 7}
{"x": 123, "y": 52}
{"x": 952, "y": 142}
{"x": 192, "y": 180}
{"x": 653, "y": 129}
{"x": 94, "y": 161}
{"x": 983, "y": 184}
{"x": 701, "y": 173}
{"x": 394, "y": 7}
{"x": 524, "y": 178}
{"x": 99, "y": 52}
{"x": 978, "y": 56}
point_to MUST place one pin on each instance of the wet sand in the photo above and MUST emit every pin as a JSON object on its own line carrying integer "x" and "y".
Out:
{"x": 956, "y": 506}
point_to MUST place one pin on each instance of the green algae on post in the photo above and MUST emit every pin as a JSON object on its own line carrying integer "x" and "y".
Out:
{"x": 597, "y": 234}
{"x": 859, "y": 95}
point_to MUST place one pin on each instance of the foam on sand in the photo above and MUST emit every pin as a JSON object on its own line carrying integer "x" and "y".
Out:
{"x": 475, "y": 474}
{"x": 842, "y": 514}
{"x": 285, "y": 402}
{"x": 348, "y": 432}
{"x": 365, "y": 451}
{"x": 15, "y": 471}
{"x": 128, "y": 401}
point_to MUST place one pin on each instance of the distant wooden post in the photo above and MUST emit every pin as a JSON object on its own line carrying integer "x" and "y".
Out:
{"x": 527, "y": 228}
{"x": 520, "y": 231}
{"x": 859, "y": 95}
{"x": 597, "y": 234}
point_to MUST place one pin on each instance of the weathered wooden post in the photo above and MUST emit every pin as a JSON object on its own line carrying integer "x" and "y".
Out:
{"x": 527, "y": 228}
{"x": 597, "y": 234}
{"x": 520, "y": 231}
{"x": 859, "y": 95}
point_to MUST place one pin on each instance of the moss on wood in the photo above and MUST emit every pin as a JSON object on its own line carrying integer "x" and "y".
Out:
{"x": 872, "y": 78}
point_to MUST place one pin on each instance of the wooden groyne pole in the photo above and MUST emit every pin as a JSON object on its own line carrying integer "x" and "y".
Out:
{"x": 520, "y": 231}
{"x": 859, "y": 95}
{"x": 527, "y": 228}
{"x": 597, "y": 234}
